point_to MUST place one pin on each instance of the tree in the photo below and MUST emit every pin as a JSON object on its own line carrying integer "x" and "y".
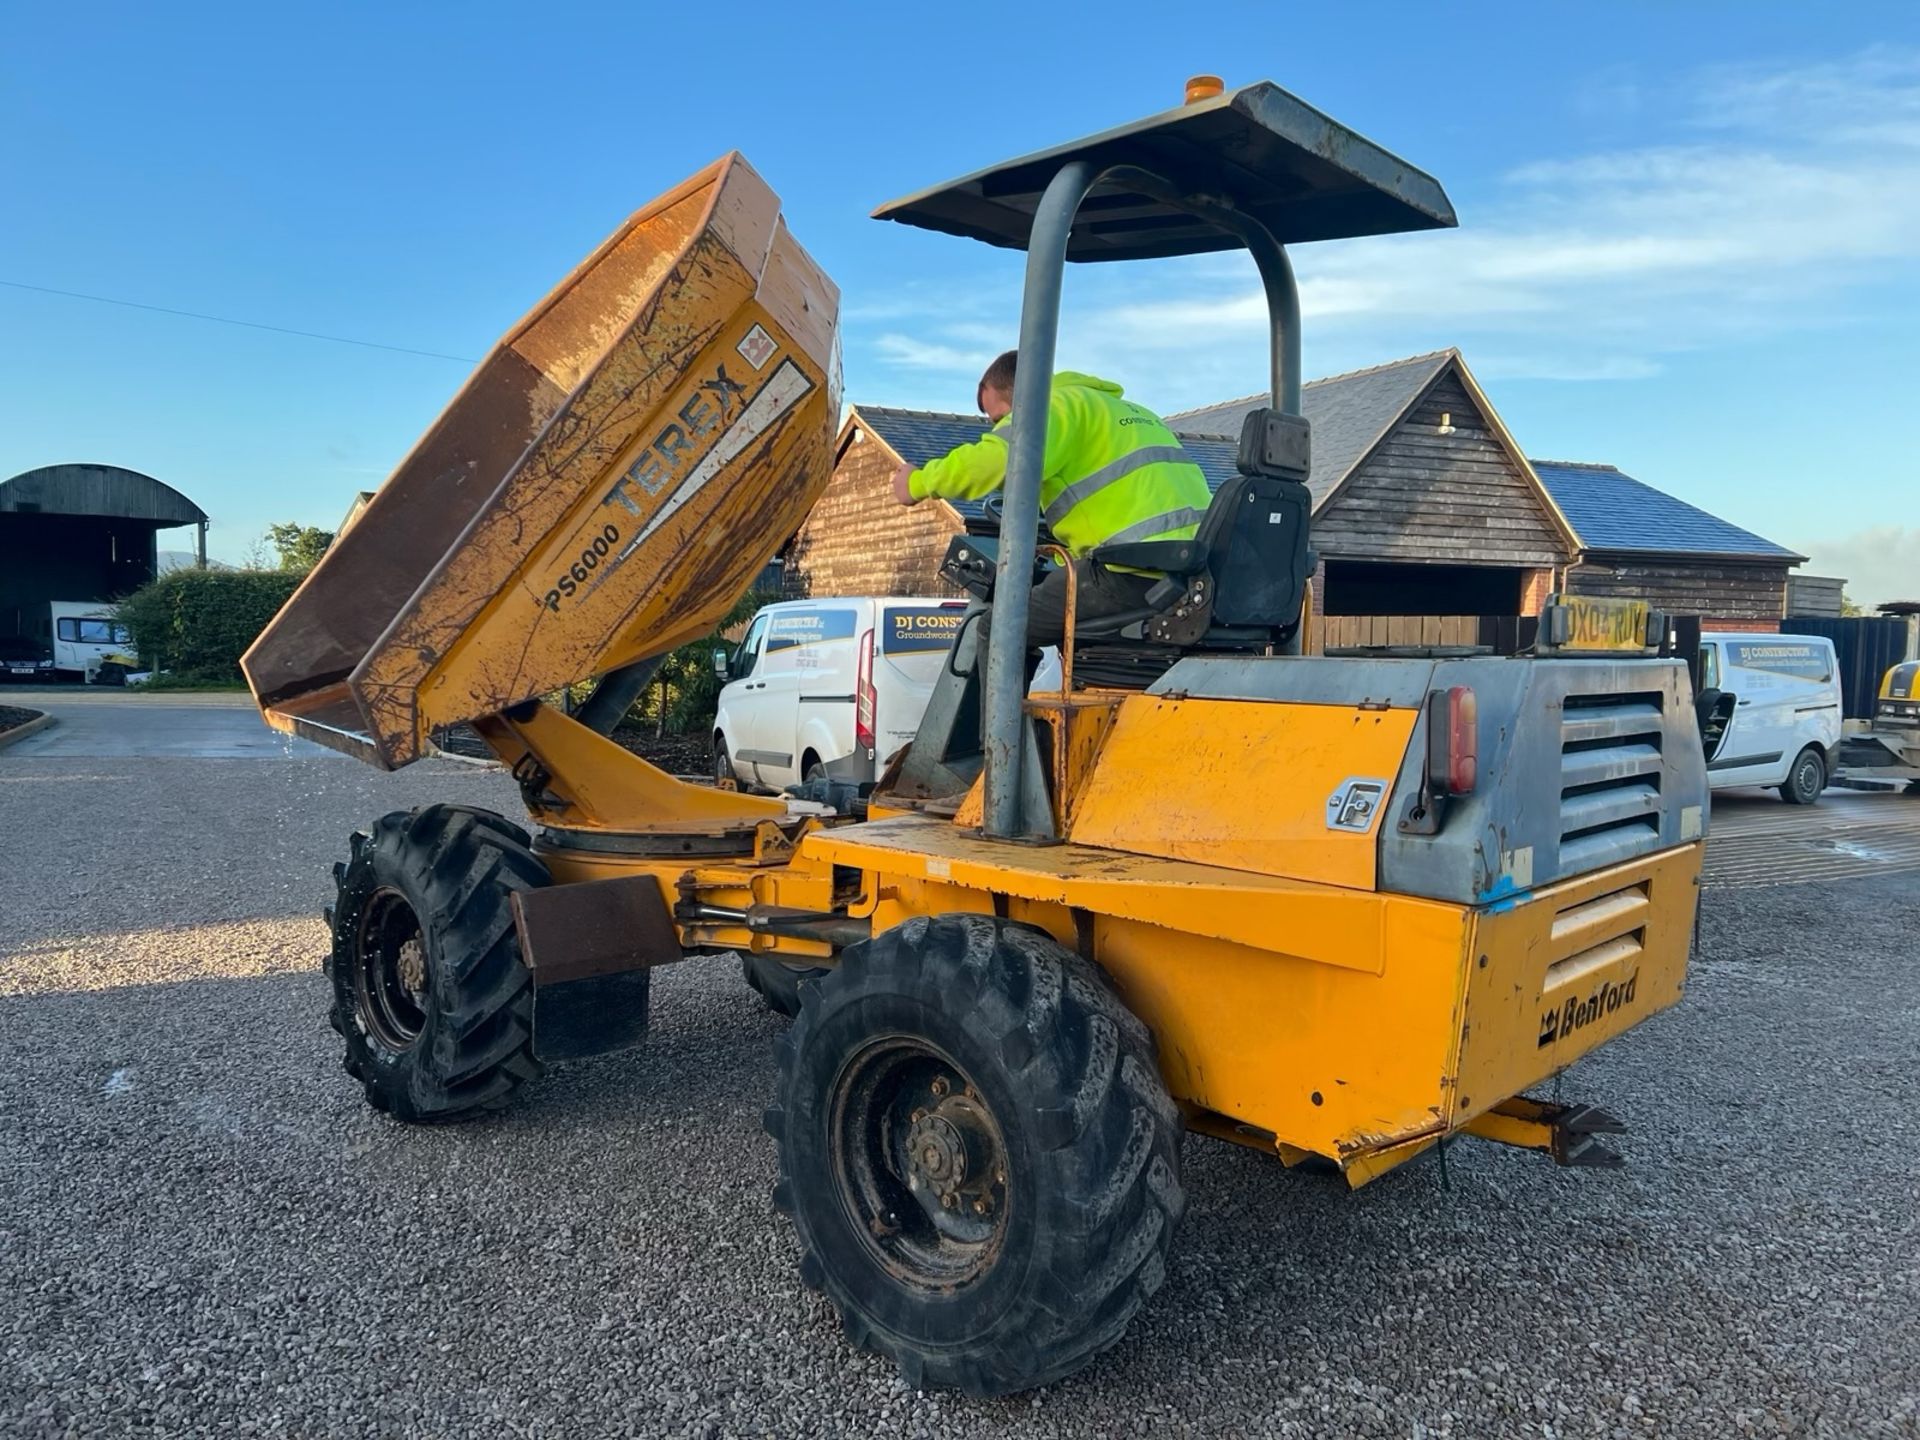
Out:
{"x": 299, "y": 546}
{"x": 684, "y": 690}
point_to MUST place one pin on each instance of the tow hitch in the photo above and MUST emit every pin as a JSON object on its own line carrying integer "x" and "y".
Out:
{"x": 1566, "y": 1132}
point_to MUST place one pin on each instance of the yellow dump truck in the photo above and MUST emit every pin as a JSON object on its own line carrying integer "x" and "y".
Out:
{"x": 1326, "y": 907}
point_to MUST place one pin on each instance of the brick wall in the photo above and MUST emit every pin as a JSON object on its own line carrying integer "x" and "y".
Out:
{"x": 1534, "y": 591}
{"x": 859, "y": 540}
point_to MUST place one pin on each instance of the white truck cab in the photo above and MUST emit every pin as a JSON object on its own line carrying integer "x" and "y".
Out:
{"x": 1779, "y": 711}
{"x": 90, "y": 643}
{"x": 829, "y": 687}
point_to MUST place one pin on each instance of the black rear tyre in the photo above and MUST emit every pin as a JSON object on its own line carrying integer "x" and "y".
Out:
{"x": 1807, "y": 778}
{"x": 778, "y": 982}
{"x": 429, "y": 990}
{"x": 979, "y": 1156}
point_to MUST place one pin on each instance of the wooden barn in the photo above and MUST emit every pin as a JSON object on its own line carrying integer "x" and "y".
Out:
{"x": 1423, "y": 505}
{"x": 1425, "y": 511}
{"x": 859, "y": 540}
{"x": 1641, "y": 542}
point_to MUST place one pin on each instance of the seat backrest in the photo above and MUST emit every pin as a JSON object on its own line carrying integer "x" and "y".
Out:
{"x": 1255, "y": 534}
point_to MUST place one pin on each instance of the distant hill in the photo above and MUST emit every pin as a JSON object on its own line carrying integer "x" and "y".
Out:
{"x": 167, "y": 560}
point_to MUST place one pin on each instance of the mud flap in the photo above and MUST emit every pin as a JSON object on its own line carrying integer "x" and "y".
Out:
{"x": 590, "y": 948}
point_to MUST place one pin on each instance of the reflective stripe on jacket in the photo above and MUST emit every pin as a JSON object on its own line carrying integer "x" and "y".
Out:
{"x": 1113, "y": 471}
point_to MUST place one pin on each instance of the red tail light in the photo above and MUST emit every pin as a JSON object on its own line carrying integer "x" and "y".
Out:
{"x": 863, "y": 697}
{"x": 1461, "y": 770}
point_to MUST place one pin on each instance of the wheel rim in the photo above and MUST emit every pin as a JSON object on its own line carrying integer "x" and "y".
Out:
{"x": 1809, "y": 776}
{"x": 919, "y": 1163}
{"x": 390, "y": 970}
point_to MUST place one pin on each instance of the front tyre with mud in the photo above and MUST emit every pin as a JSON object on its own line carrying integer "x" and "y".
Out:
{"x": 429, "y": 990}
{"x": 980, "y": 1158}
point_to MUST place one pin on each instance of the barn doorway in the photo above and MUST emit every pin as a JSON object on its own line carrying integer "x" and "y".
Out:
{"x": 1361, "y": 587}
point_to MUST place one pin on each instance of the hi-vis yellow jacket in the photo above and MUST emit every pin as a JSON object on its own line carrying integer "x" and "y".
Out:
{"x": 1113, "y": 470}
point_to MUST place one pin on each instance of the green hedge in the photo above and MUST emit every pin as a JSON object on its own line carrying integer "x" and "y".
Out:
{"x": 195, "y": 624}
{"x": 684, "y": 692}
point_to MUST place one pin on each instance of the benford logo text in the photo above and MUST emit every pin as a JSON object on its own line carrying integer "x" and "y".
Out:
{"x": 1563, "y": 1020}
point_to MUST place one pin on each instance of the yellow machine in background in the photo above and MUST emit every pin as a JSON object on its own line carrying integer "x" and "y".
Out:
{"x": 1325, "y": 907}
{"x": 1887, "y": 753}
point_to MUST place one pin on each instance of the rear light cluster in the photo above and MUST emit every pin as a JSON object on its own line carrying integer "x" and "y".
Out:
{"x": 1453, "y": 741}
{"x": 863, "y": 697}
{"x": 1453, "y": 759}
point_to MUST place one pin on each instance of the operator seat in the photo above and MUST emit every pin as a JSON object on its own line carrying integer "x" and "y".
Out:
{"x": 1239, "y": 583}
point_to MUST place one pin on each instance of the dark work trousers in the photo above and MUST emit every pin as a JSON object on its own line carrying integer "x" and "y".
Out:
{"x": 1099, "y": 592}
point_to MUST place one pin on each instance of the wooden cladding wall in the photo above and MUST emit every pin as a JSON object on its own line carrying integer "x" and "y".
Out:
{"x": 1822, "y": 596}
{"x": 1452, "y": 495}
{"x": 1373, "y": 630}
{"x": 1724, "y": 590}
{"x": 859, "y": 540}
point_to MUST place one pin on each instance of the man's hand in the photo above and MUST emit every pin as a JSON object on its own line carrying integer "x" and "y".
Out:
{"x": 902, "y": 481}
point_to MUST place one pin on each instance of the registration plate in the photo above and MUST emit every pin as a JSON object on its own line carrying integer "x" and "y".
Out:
{"x": 1593, "y": 624}
{"x": 21, "y": 669}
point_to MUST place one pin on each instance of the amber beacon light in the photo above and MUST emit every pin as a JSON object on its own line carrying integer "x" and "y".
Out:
{"x": 1204, "y": 87}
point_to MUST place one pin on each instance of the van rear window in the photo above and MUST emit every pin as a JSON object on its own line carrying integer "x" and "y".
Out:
{"x": 905, "y": 629}
{"x": 1803, "y": 662}
{"x": 789, "y": 628}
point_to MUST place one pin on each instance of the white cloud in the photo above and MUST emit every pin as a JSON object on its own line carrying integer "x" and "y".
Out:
{"x": 1796, "y": 190}
{"x": 1880, "y": 563}
{"x": 907, "y": 352}
{"x": 1874, "y": 96}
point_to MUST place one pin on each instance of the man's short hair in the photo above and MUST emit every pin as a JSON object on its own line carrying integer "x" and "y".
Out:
{"x": 998, "y": 376}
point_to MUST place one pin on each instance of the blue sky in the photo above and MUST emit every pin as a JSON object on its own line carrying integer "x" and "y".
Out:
{"x": 1689, "y": 243}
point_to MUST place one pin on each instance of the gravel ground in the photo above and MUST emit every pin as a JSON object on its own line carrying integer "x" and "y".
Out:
{"x": 203, "y": 1231}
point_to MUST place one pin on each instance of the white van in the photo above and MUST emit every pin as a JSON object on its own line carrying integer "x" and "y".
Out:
{"x": 829, "y": 687}
{"x": 1779, "y": 713}
{"x": 90, "y": 644}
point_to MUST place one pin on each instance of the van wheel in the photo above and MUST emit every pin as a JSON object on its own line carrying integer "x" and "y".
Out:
{"x": 811, "y": 769}
{"x": 1807, "y": 778}
{"x": 723, "y": 775}
{"x": 978, "y": 1153}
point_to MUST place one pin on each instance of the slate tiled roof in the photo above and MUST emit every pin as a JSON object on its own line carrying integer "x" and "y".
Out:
{"x": 918, "y": 436}
{"x": 1612, "y": 511}
{"x": 1349, "y": 413}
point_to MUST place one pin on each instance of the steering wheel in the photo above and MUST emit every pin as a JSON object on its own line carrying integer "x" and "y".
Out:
{"x": 994, "y": 507}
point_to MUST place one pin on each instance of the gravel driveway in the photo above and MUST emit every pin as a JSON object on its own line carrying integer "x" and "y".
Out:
{"x": 203, "y": 1231}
